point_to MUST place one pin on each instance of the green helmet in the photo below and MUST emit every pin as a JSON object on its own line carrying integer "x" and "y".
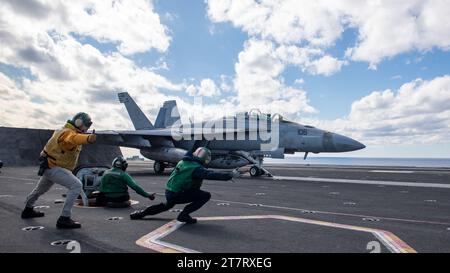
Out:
{"x": 81, "y": 119}
{"x": 203, "y": 155}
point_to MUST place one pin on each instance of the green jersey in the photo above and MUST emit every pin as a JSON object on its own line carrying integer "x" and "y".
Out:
{"x": 181, "y": 177}
{"x": 115, "y": 183}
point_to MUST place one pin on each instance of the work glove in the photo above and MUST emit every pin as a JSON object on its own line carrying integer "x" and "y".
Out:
{"x": 92, "y": 137}
{"x": 152, "y": 196}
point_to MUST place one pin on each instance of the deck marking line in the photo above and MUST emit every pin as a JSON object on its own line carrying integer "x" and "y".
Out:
{"x": 153, "y": 240}
{"x": 19, "y": 178}
{"x": 367, "y": 182}
{"x": 389, "y": 171}
{"x": 336, "y": 213}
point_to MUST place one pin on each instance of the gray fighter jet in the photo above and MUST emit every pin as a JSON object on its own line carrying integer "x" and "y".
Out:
{"x": 241, "y": 140}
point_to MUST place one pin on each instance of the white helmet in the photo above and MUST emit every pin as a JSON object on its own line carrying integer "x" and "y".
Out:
{"x": 120, "y": 163}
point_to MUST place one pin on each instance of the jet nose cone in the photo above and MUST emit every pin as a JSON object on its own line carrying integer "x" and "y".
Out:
{"x": 346, "y": 144}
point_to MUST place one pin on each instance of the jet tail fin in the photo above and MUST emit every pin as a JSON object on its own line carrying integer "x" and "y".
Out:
{"x": 168, "y": 114}
{"x": 140, "y": 121}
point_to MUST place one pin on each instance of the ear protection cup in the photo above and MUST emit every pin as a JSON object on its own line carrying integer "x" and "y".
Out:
{"x": 120, "y": 163}
{"x": 81, "y": 119}
{"x": 116, "y": 163}
{"x": 78, "y": 123}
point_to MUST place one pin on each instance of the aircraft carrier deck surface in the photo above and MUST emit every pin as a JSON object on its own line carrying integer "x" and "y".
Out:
{"x": 301, "y": 209}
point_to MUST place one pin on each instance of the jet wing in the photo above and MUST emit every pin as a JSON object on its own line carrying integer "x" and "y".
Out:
{"x": 145, "y": 138}
{"x": 122, "y": 138}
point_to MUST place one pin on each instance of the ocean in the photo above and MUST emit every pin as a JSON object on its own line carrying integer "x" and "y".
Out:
{"x": 364, "y": 161}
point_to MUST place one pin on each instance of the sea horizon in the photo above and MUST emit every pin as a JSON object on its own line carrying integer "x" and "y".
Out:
{"x": 365, "y": 161}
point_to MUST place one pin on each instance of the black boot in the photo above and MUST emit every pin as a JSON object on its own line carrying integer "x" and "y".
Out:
{"x": 31, "y": 213}
{"x": 186, "y": 218}
{"x": 137, "y": 215}
{"x": 67, "y": 223}
{"x": 152, "y": 210}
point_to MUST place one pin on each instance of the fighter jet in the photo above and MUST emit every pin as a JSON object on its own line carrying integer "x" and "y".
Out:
{"x": 241, "y": 140}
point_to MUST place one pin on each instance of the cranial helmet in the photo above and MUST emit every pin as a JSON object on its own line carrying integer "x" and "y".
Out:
{"x": 203, "y": 155}
{"x": 120, "y": 163}
{"x": 81, "y": 119}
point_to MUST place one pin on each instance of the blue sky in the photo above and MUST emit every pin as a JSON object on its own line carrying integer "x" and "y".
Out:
{"x": 195, "y": 52}
{"x": 317, "y": 60}
{"x": 333, "y": 95}
{"x": 198, "y": 53}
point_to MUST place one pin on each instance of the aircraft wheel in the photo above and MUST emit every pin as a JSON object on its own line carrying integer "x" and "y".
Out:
{"x": 255, "y": 171}
{"x": 158, "y": 167}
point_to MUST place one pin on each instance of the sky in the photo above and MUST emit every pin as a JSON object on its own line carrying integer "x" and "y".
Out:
{"x": 377, "y": 71}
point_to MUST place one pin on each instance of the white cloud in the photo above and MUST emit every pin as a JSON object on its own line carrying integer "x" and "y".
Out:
{"x": 300, "y": 81}
{"x": 135, "y": 28}
{"x": 385, "y": 28}
{"x": 276, "y": 32}
{"x": 191, "y": 90}
{"x": 258, "y": 83}
{"x": 285, "y": 22}
{"x": 295, "y": 55}
{"x": 69, "y": 76}
{"x": 207, "y": 88}
{"x": 417, "y": 113}
{"x": 226, "y": 83}
{"x": 389, "y": 28}
{"x": 326, "y": 66}
{"x": 24, "y": 107}
{"x": 300, "y": 33}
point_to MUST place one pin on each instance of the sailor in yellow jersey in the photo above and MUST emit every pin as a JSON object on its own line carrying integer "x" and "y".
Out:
{"x": 59, "y": 157}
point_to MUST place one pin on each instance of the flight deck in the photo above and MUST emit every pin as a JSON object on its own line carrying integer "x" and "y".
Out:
{"x": 325, "y": 209}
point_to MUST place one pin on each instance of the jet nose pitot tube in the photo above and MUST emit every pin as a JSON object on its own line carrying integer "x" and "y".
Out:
{"x": 346, "y": 144}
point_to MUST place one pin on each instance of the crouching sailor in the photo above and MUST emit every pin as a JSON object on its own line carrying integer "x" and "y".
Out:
{"x": 58, "y": 158}
{"x": 184, "y": 186}
{"x": 114, "y": 186}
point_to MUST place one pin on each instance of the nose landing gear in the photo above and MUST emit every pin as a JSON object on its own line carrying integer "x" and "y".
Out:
{"x": 256, "y": 171}
{"x": 257, "y": 160}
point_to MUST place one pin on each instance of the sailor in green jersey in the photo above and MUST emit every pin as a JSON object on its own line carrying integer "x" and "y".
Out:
{"x": 114, "y": 186}
{"x": 184, "y": 186}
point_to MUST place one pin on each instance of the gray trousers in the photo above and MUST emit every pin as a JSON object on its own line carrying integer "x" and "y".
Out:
{"x": 59, "y": 176}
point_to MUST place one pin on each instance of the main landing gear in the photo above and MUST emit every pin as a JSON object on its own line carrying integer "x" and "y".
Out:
{"x": 159, "y": 167}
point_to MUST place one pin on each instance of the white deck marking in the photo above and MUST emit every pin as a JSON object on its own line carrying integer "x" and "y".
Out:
{"x": 334, "y": 213}
{"x": 153, "y": 239}
{"x": 367, "y": 182}
{"x": 19, "y": 178}
{"x": 80, "y": 205}
{"x": 389, "y": 171}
